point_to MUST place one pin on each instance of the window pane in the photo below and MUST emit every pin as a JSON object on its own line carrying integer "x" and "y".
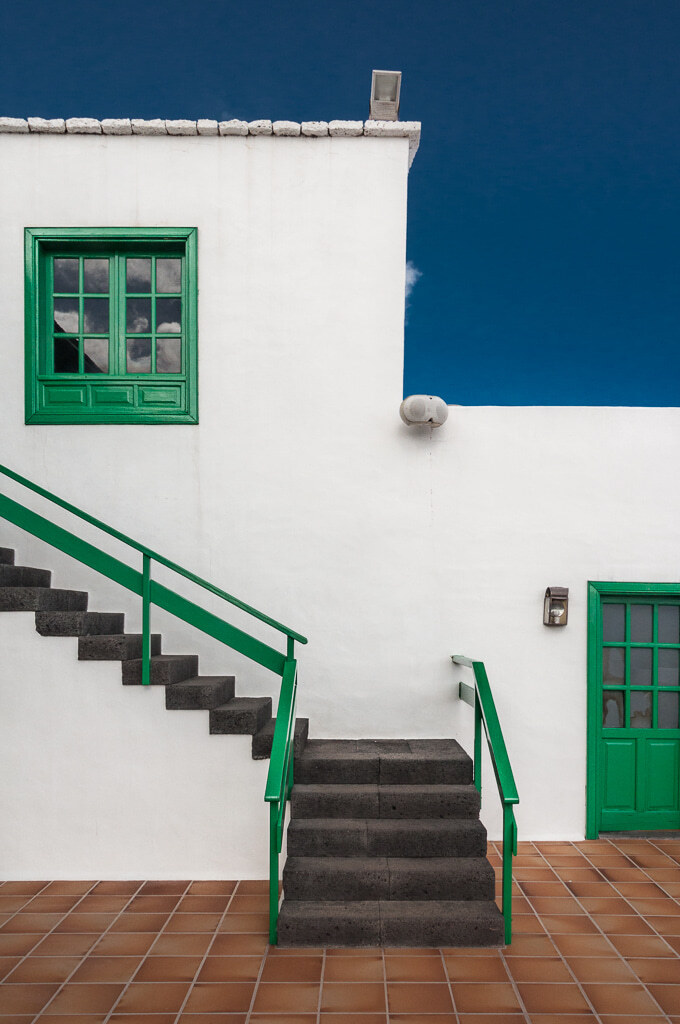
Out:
{"x": 65, "y": 275}
{"x": 168, "y": 355}
{"x": 168, "y": 316}
{"x": 613, "y": 623}
{"x": 66, "y": 355}
{"x": 641, "y": 623}
{"x": 640, "y": 666}
{"x": 669, "y": 667}
{"x": 96, "y": 275}
{"x": 138, "y": 275}
{"x": 138, "y": 316}
{"x": 669, "y": 624}
{"x": 668, "y": 710}
{"x": 66, "y": 316}
{"x": 139, "y": 355}
{"x": 640, "y": 709}
{"x": 168, "y": 275}
{"x": 612, "y": 709}
{"x": 613, "y": 665}
{"x": 96, "y": 355}
{"x": 96, "y": 316}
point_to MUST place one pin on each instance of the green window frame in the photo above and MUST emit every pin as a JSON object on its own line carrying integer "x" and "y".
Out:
{"x": 111, "y": 325}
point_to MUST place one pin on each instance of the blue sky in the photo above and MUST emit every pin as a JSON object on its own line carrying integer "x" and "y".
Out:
{"x": 544, "y": 204}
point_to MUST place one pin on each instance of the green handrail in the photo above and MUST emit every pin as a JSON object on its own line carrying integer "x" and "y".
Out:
{"x": 280, "y": 784}
{"x": 481, "y": 699}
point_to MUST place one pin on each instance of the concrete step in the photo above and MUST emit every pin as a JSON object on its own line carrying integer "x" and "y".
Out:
{"x": 388, "y": 878}
{"x": 241, "y": 715}
{"x": 262, "y": 740}
{"x": 396, "y": 762}
{"x": 199, "y": 693}
{"x": 33, "y": 599}
{"x": 326, "y": 801}
{"x": 79, "y": 623}
{"x": 430, "y": 923}
{"x": 6, "y": 556}
{"x": 382, "y": 837}
{"x": 24, "y": 576}
{"x": 165, "y": 669}
{"x": 120, "y": 647}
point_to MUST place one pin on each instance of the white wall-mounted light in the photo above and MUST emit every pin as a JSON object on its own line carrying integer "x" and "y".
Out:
{"x": 427, "y": 409}
{"x": 385, "y": 89}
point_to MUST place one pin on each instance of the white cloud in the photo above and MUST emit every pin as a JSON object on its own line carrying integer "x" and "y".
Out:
{"x": 413, "y": 275}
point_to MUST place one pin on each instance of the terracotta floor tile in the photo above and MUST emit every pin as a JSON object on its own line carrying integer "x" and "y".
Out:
{"x": 18, "y": 945}
{"x": 538, "y": 968}
{"x": 237, "y": 968}
{"x": 83, "y": 923}
{"x": 665, "y": 925}
{"x": 571, "y": 924}
{"x": 128, "y": 922}
{"x": 81, "y": 1018}
{"x": 662, "y": 971}
{"x": 530, "y": 945}
{"x": 484, "y": 997}
{"x": 527, "y": 924}
{"x": 419, "y": 998}
{"x": 293, "y": 968}
{"x": 245, "y": 923}
{"x": 107, "y": 968}
{"x": 253, "y": 887}
{"x": 644, "y": 890}
{"x": 212, "y": 1018}
{"x": 674, "y": 941}
{"x": 152, "y": 997}
{"x": 115, "y": 888}
{"x": 84, "y": 999}
{"x": 535, "y": 875}
{"x": 661, "y": 875}
{"x": 627, "y": 1019}
{"x": 344, "y": 1018}
{"x": 539, "y": 998}
{"x": 22, "y": 888}
{"x": 25, "y": 998}
{"x": 355, "y": 997}
{"x": 667, "y": 996}
{"x": 605, "y": 905}
{"x": 96, "y": 904}
{"x": 64, "y": 945}
{"x": 481, "y": 1018}
{"x": 248, "y": 904}
{"x": 164, "y": 888}
{"x": 601, "y": 969}
{"x": 30, "y": 923}
{"x": 672, "y": 889}
{"x": 663, "y": 906}
{"x": 417, "y": 968}
{"x": 144, "y": 904}
{"x": 622, "y": 924}
{"x": 141, "y": 1018}
{"x": 286, "y": 1018}
{"x": 7, "y": 964}
{"x": 194, "y": 904}
{"x": 302, "y": 951}
{"x": 584, "y": 874}
{"x": 121, "y": 943}
{"x": 215, "y": 888}
{"x": 229, "y": 945}
{"x": 192, "y": 923}
{"x": 641, "y": 945}
{"x": 554, "y": 905}
{"x": 408, "y": 951}
{"x": 180, "y": 944}
{"x": 67, "y": 888}
{"x": 168, "y": 968}
{"x": 569, "y": 1018}
{"x": 630, "y": 874}
{"x": 10, "y": 904}
{"x": 274, "y": 997}
{"x": 475, "y": 968}
{"x": 630, "y": 999}
{"x": 44, "y": 969}
{"x": 591, "y": 888}
{"x": 583, "y": 945}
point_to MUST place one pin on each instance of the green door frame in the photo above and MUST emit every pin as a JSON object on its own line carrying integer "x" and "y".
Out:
{"x": 596, "y": 590}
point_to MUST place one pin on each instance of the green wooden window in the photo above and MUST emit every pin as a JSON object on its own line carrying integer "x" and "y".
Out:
{"x": 111, "y": 325}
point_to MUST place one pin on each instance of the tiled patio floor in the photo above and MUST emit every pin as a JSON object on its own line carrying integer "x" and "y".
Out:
{"x": 596, "y": 938}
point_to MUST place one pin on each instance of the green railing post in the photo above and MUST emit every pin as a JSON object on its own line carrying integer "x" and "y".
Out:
{"x": 290, "y": 648}
{"x": 273, "y": 873}
{"x": 146, "y": 619}
{"x": 478, "y": 745}
{"x": 509, "y": 848}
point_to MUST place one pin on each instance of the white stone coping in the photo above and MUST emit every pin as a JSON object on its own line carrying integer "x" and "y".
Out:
{"x": 206, "y": 126}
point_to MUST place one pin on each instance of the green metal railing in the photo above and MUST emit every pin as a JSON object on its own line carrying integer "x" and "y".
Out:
{"x": 481, "y": 699}
{"x": 280, "y": 777}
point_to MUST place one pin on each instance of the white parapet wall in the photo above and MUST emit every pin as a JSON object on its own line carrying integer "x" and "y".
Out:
{"x": 303, "y": 493}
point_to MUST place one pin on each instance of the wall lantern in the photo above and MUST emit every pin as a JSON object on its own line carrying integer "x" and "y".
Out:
{"x": 556, "y": 606}
{"x": 385, "y": 89}
{"x": 427, "y": 409}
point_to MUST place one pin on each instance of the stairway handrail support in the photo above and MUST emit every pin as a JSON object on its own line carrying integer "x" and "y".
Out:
{"x": 481, "y": 699}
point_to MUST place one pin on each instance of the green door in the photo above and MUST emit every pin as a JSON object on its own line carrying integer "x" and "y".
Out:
{"x": 634, "y": 707}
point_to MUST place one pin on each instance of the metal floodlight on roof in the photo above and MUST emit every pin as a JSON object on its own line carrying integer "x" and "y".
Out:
{"x": 385, "y": 89}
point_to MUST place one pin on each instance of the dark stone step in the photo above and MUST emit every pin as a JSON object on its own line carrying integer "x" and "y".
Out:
{"x": 6, "y": 556}
{"x": 326, "y": 801}
{"x": 33, "y": 599}
{"x": 24, "y": 576}
{"x": 79, "y": 623}
{"x": 430, "y": 923}
{"x": 360, "y": 762}
{"x": 262, "y": 740}
{"x": 382, "y": 837}
{"x": 165, "y": 669}
{"x": 241, "y": 715}
{"x": 121, "y": 647}
{"x": 388, "y": 878}
{"x": 200, "y": 693}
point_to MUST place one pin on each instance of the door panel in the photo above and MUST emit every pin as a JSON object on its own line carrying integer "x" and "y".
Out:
{"x": 619, "y": 776}
{"x": 661, "y": 775}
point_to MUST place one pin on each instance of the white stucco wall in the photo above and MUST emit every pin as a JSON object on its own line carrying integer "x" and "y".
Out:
{"x": 303, "y": 493}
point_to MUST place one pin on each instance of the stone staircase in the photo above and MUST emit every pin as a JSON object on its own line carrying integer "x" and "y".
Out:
{"x": 385, "y": 845}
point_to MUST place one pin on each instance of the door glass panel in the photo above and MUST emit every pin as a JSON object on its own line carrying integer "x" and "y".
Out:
{"x": 65, "y": 275}
{"x": 138, "y": 275}
{"x": 613, "y": 623}
{"x": 669, "y": 666}
{"x": 66, "y": 352}
{"x": 613, "y": 665}
{"x": 139, "y": 355}
{"x": 169, "y": 355}
{"x": 669, "y": 624}
{"x": 138, "y": 316}
{"x": 96, "y": 316}
{"x": 96, "y": 275}
{"x": 613, "y": 705}
{"x": 669, "y": 704}
{"x": 641, "y": 623}
{"x": 66, "y": 315}
{"x": 168, "y": 275}
{"x": 641, "y": 666}
{"x": 168, "y": 316}
{"x": 96, "y": 355}
{"x": 640, "y": 709}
